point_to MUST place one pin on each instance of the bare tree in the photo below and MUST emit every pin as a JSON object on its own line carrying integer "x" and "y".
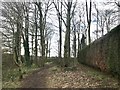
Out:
{"x": 36, "y": 30}
{"x": 74, "y": 37}
{"x": 13, "y": 14}
{"x": 88, "y": 13}
{"x": 42, "y": 22}
{"x": 58, "y": 8}
{"x": 26, "y": 36}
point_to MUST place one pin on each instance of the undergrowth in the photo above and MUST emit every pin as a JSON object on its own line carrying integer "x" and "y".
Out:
{"x": 10, "y": 77}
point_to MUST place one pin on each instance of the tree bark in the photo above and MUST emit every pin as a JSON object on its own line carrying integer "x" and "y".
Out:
{"x": 36, "y": 42}
{"x": 67, "y": 35}
{"x": 89, "y": 19}
{"x": 26, "y": 41}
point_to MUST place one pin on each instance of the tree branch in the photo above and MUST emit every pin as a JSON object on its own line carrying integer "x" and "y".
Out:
{"x": 59, "y": 14}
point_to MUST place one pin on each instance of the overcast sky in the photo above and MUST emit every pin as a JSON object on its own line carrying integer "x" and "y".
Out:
{"x": 54, "y": 21}
{"x": 54, "y": 45}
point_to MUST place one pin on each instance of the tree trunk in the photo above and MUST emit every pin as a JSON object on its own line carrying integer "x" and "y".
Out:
{"x": 46, "y": 48}
{"x": 17, "y": 47}
{"x": 74, "y": 38}
{"x": 89, "y": 19}
{"x": 60, "y": 32}
{"x": 36, "y": 27}
{"x": 49, "y": 48}
{"x": 59, "y": 15}
{"x": 67, "y": 35}
{"x": 26, "y": 41}
{"x": 42, "y": 35}
{"x": 75, "y": 42}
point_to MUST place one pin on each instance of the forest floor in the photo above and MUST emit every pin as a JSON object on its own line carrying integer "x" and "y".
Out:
{"x": 52, "y": 76}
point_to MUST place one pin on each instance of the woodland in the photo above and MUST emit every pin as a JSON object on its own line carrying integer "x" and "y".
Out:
{"x": 60, "y": 44}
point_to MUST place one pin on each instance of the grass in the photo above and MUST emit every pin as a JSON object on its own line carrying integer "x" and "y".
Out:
{"x": 58, "y": 74}
{"x": 10, "y": 77}
{"x": 102, "y": 77}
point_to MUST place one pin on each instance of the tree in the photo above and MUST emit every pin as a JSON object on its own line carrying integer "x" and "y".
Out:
{"x": 106, "y": 18}
{"x": 117, "y": 3}
{"x": 97, "y": 20}
{"x": 42, "y": 23}
{"x": 74, "y": 37}
{"x": 13, "y": 14}
{"x": 69, "y": 7}
{"x": 36, "y": 30}
{"x": 26, "y": 37}
{"x": 81, "y": 25}
{"x": 58, "y": 8}
{"x": 67, "y": 35}
{"x": 88, "y": 13}
{"x": 48, "y": 36}
{"x": 69, "y": 16}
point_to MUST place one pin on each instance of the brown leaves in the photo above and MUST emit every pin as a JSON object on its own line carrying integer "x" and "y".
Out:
{"x": 82, "y": 77}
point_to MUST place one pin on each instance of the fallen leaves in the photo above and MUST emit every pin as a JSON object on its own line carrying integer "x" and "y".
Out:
{"x": 82, "y": 77}
{"x": 79, "y": 78}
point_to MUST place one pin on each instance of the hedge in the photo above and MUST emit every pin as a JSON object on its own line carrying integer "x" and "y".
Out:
{"x": 103, "y": 53}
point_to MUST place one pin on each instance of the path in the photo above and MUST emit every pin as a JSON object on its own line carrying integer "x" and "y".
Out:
{"x": 51, "y": 76}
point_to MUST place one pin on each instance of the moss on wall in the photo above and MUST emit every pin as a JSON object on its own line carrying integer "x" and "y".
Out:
{"x": 103, "y": 53}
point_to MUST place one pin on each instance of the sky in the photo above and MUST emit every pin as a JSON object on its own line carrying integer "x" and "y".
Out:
{"x": 54, "y": 21}
{"x": 93, "y": 28}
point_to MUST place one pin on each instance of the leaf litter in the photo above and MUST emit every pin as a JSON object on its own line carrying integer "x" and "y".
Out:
{"x": 52, "y": 76}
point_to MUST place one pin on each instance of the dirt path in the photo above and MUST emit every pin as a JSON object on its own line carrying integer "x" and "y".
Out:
{"x": 37, "y": 79}
{"x": 51, "y": 76}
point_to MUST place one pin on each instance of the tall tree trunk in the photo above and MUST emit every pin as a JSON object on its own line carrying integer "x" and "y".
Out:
{"x": 26, "y": 42}
{"x": 59, "y": 15}
{"x": 36, "y": 42}
{"x": 60, "y": 32}
{"x": 67, "y": 35}
{"x": 46, "y": 48}
{"x": 42, "y": 34}
{"x": 97, "y": 25}
{"x": 97, "y": 21}
{"x": 89, "y": 19}
{"x": 79, "y": 46}
{"x": 78, "y": 41}
{"x": 74, "y": 41}
{"x": 108, "y": 23}
{"x": 49, "y": 47}
{"x": 32, "y": 56}
{"x": 102, "y": 25}
{"x": 74, "y": 38}
{"x": 68, "y": 28}
{"x": 17, "y": 47}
